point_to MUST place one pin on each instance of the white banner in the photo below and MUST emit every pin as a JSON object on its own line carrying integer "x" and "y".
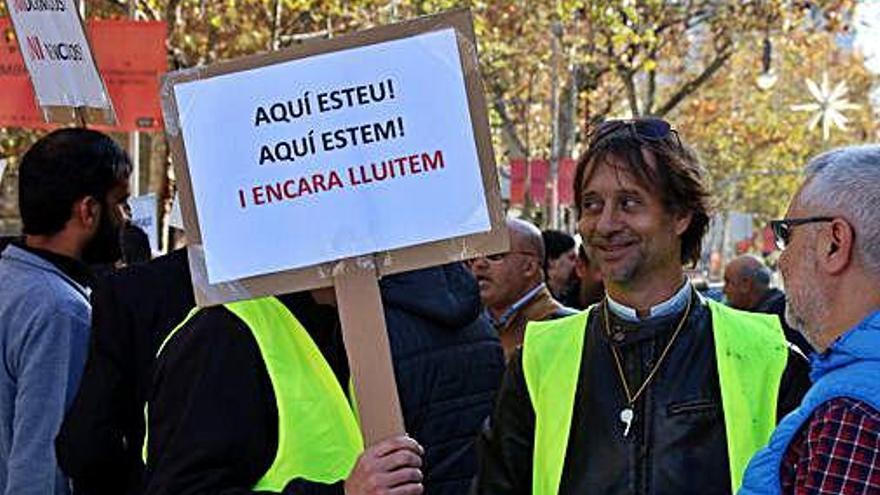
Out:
{"x": 56, "y": 53}
{"x": 2, "y": 169}
{"x": 175, "y": 219}
{"x": 144, "y": 215}
{"x": 342, "y": 154}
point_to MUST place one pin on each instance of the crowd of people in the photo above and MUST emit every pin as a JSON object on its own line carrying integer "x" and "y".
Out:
{"x": 584, "y": 363}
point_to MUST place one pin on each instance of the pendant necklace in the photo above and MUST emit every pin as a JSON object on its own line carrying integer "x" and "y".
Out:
{"x": 627, "y": 414}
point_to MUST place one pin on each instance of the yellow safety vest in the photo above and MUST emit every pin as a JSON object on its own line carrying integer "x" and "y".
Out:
{"x": 318, "y": 435}
{"x": 751, "y": 353}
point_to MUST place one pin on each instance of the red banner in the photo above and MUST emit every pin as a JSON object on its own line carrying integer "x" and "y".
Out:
{"x": 566, "y": 181}
{"x": 130, "y": 56}
{"x": 518, "y": 180}
{"x": 540, "y": 170}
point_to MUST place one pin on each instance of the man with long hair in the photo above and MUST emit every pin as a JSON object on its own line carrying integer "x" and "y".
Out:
{"x": 655, "y": 390}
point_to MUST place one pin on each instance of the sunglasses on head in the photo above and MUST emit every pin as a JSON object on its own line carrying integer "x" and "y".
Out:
{"x": 782, "y": 228}
{"x": 645, "y": 129}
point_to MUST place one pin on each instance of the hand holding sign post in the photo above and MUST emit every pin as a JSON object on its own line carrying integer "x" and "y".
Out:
{"x": 333, "y": 164}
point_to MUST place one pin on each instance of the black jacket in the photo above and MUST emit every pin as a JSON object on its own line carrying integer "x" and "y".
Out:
{"x": 99, "y": 444}
{"x": 677, "y": 444}
{"x": 448, "y": 364}
{"x": 213, "y": 418}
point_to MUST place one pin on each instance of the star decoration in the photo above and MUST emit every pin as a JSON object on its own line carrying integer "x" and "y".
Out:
{"x": 829, "y": 105}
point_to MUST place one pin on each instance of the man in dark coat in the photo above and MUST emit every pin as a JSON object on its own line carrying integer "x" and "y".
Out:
{"x": 448, "y": 364}
{"x": 99, "y": 445}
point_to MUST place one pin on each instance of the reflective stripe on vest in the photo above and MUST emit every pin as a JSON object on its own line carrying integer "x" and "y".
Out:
{"x": 751, "y": 353}
{"x": 318, "y": 435}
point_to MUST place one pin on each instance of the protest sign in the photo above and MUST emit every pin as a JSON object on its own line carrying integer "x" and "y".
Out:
{"x": 332, "y": 164}
{"x": 144, "y": 212}
{"x": 59, "y": 60}
{"x": 175, "y": 218}
{"x": 376, "y": 143}
{"x": 130, "y": 57}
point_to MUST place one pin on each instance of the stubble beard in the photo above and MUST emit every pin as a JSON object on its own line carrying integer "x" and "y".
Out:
{"x": 803, "y": 311}
{"x": 625, "y": 271}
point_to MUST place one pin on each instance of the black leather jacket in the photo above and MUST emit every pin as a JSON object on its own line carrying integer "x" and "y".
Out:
{"x": 677, "y": 444}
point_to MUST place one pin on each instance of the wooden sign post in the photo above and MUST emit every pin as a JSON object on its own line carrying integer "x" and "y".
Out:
{"x": 335, "y": 163}
{"x": 366, "y": 343}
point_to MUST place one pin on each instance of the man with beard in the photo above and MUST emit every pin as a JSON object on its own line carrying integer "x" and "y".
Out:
{"x": 72, "y": 184}
{"x": 655, "y": 390}
{"x": 831, "y": 266}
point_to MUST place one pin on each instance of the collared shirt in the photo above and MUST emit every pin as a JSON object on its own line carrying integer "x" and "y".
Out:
{"x": 835, "y": 452}
{"x": 670, "y": 306}
{"x": 509, "y": 312}
{"x": 73, "y": 268}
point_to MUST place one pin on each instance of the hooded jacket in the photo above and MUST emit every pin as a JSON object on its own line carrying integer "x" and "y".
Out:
{"x": 448, "y": 363}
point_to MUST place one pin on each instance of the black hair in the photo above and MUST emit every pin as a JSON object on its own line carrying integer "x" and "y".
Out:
{"x": 556, "y": 242}
{"x": 62, "y": 168}
{"x": 135, "y": 245}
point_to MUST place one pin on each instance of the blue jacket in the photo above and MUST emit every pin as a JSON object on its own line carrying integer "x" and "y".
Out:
{"x": 44, "y": 333}
{"x": 849, "y": 368}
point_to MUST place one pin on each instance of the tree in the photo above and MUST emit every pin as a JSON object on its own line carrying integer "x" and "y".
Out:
{"x": 621, "y": 58}
{"x": 551, "y": 69}
{"x": 753, "y": 144}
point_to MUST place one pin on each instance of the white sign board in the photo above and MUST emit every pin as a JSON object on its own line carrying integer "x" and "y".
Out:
{"x": 175, "y": 218}
{"x": 57, "y": 54}
{"x": 2, "y": 169}
{"x": 337, "y": 155}
{"x": 144, "y": 215}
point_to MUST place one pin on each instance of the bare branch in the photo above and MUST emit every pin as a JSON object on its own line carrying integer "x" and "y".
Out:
{"x": 508, "y": 128}
{"x": 691, "y": 86}
{"x": 650, "y": 92}
{"x": 626, "y": 76}
{"x": 172, "y": 17}
{"x": 567, "y": 111}
{"x": 151, "y": 13}
{"x": 274, "y": 39}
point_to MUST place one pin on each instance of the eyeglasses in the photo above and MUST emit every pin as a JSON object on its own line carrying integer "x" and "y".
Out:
{"x": 500, "y": 256}
{"x": 782, "y": 228}
{"x": 645, "y": 129}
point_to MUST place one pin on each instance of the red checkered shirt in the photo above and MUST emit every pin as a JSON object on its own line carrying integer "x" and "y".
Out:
{"x": 836, "y": 452}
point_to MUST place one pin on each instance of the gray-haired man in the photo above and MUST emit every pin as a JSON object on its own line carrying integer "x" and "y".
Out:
{"x": 831, "y": 266}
